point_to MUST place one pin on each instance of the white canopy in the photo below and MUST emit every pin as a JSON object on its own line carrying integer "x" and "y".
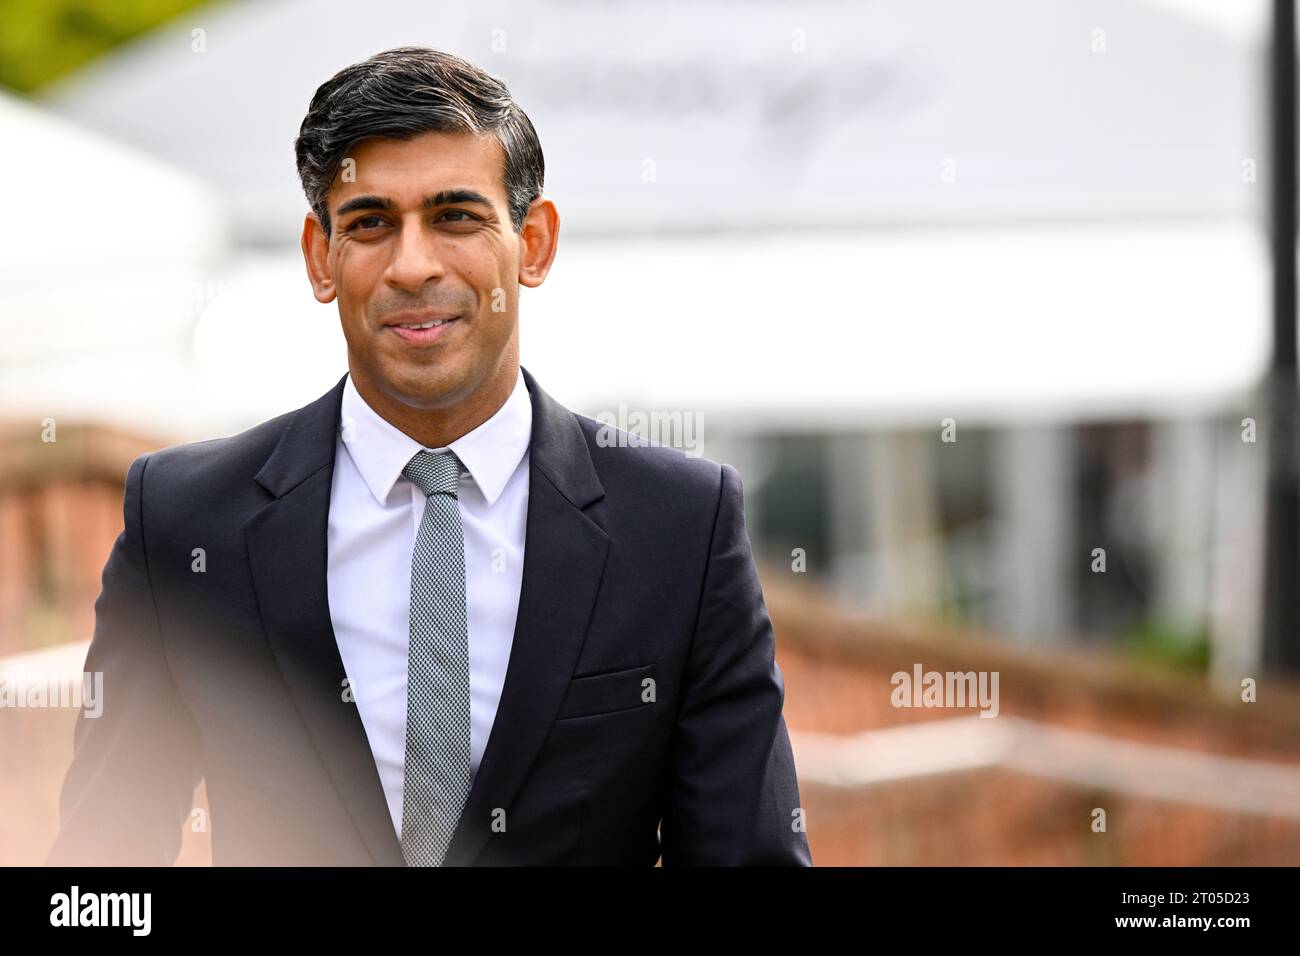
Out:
{"x": 771, "y": 116}
{"x": 104, "y": 268}
{"x": 834, "y": 328}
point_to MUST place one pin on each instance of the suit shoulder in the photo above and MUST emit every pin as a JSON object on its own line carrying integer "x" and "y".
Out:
{"x": 216, "y": 454}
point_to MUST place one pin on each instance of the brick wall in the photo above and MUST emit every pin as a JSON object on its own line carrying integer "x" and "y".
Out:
{"x": 837, "y": 672}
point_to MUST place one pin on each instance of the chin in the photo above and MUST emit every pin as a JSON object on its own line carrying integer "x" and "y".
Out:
{"x": 426, "y": 391}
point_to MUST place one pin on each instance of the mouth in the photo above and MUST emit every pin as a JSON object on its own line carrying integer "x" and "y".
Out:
{"x": 423, "y": 329}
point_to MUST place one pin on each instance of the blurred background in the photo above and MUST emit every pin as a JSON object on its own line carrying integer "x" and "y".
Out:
{"x": 979, "y": 298}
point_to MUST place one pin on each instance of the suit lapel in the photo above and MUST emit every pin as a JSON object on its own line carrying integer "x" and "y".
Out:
{"x": 287, "y": 542}
{"x": 564, "y": 559}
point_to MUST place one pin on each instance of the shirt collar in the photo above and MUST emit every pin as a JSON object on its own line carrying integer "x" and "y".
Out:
{"x": 490, "y": 452}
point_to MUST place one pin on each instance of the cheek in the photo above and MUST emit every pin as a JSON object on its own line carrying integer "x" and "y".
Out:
{"x": 487, "y": 265}
{"x": 490, "y": 288}
{"x": 355, "y": 275}
{"x": 351, "y": 286}
{"x": 360, "y": 263}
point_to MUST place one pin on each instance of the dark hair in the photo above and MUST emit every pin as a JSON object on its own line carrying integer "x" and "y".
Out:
{"x": 406, "y": 91}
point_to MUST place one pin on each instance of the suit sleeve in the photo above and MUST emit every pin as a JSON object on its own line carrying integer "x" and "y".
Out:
{"x": 131, "y": 783}
{"x": 732, "y": 797}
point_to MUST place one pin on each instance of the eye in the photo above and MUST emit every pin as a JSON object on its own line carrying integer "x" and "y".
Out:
{"x": 469, "y": 217}
{"x": 359, "y": 223}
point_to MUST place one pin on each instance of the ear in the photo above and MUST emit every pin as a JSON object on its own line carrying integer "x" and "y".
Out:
{"x": 316, "y": 255}
{"x": 538, "y": 240}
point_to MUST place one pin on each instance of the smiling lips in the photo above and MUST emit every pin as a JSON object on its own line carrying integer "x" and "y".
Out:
{"x": 423, "y": 333}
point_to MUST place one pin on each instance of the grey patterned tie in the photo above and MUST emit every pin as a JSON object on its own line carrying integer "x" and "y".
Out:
{"x": 437, "y": 778}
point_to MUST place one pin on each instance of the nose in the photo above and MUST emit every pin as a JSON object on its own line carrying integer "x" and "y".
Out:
{"x": 415, "y": 259}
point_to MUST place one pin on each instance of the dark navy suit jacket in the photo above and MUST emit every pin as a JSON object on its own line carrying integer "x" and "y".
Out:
{"x": 637, "y": 566}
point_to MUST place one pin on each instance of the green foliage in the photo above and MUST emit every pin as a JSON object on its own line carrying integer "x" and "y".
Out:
{"x": 43, "y": 40}
{"x": 1154, "y": 641}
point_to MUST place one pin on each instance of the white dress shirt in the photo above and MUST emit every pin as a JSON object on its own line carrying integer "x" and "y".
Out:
{"x": 374, "y": 515}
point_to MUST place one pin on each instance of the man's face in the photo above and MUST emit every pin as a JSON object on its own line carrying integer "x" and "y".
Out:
{"x": 420, "y": 231}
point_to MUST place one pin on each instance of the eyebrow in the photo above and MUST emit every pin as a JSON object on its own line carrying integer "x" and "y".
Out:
{"x": 443, "y": 198}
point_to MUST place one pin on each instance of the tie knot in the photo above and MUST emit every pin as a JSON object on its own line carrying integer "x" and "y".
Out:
{"x": 434, "y": 472}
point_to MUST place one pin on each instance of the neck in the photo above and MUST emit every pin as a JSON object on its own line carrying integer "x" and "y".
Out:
{"x": 439, "y": 427}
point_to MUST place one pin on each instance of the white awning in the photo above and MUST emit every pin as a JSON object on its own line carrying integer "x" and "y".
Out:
{"x": 886, "y": 327}
{"x": 104, "y": 268}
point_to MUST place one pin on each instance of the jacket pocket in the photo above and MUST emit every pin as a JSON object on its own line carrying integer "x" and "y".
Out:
{"x": 606, "y": 693}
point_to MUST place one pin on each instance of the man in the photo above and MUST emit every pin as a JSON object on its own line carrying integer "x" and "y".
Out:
{"x": 432, "y": 618}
